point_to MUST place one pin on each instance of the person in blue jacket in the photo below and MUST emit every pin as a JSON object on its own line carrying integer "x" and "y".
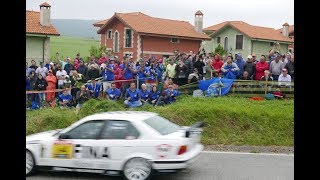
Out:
{"x": 94, "y": 87}
{"x": 132, "y": 97}
{"x": 170, "y": 95}
{"x": 65, "y": 99}
{"x": 154, "y": 96}
{"x": 113, "y": 93}
{"x": 144, "y": 94}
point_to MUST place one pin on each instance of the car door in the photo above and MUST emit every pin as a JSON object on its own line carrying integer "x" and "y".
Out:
{"x": 118, "y": 139}
{"x": 75, "y": 148}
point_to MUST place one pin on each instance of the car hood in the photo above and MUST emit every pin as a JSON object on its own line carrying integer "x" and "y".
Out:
{"x": 41, "y": 136}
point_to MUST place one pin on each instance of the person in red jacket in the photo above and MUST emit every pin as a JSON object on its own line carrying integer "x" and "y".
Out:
{"x": 103, "y": 58}
{"x": 261, "y": 66}
{"x": 51, "y": 81}
{"x": 217, "y": 64}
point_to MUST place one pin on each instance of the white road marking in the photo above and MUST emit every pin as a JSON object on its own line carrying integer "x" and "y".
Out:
{"x": 246, "y": 153}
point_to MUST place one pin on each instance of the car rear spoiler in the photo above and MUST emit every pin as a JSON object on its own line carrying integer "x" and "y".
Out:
{"x": 194, "y": 126}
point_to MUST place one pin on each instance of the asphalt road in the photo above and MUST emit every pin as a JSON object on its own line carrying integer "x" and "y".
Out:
{"x": 210, "y": 165}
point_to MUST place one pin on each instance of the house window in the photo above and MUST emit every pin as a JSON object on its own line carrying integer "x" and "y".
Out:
{"x": 109, "y": 34}
{"x": 116, "y": 42}
{"x": 225, "y": 44}
{"x": 128, "y": 36}
{"x": 271, "y": 43}
{"x": 174, "y": 40}
{"x": 218, "y": 39}
{"x": 239, "y": 41}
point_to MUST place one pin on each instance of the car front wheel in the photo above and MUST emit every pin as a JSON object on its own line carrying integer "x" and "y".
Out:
{"x": 137, "y": 169}
{"x": 29, "y": 163}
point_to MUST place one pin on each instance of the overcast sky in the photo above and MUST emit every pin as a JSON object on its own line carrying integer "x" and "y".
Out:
{"x": 268, "y": 13}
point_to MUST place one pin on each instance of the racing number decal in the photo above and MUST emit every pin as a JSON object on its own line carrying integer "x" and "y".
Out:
{"x": 95, "y": 152}
{"x": 62, "y": 150}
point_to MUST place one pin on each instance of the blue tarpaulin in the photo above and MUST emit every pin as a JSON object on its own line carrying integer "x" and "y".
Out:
{"x": 214, "y": 83}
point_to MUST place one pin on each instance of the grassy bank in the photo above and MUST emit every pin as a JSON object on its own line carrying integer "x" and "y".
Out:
{"x": 230, "y": 120}
{"x": 70, "y": 46}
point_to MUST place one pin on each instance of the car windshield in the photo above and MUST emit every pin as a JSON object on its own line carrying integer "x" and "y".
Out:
{"x": 162, "y": 125}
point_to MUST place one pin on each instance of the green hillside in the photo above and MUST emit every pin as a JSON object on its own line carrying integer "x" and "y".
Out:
{"x": 70, "y": 46}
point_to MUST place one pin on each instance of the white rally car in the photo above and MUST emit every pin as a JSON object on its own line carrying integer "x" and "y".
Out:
{"x": 131, "y": 143}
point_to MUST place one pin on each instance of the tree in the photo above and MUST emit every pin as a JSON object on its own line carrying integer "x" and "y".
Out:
{"x": 220, "y": 50}
{"x": 97, "y": 51}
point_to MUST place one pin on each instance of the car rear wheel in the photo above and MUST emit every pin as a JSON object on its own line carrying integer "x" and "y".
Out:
{"x": 137, "y": 169}
{"x": 29, "y": 163}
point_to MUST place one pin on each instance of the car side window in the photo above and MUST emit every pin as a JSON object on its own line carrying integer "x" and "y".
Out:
{"x": 87, "y": 130}
{"x": 118, "y": 129}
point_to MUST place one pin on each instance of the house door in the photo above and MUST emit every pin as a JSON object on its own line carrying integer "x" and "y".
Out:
{"x": 225, "y": 44}
{"x": 116, "y": 42}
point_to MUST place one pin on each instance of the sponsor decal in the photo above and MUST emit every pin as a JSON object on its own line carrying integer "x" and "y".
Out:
{"x": 62, "y": 150}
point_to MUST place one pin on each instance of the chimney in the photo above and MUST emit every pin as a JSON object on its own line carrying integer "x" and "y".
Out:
{"x": 285, "y": 29}
{"x": 198, "y": 21}
{"x": 45, "y": 14}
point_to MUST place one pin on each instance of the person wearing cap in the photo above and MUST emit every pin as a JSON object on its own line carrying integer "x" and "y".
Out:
{"x": 284, "y": 78}
{"x": 132, "y": 96}
{"x": 240, "y": 63}
{"x": 94, "y": 88}
{"x": 67, "y": 66}
{"x": 250, "y": 66}
{"x": 52, "y": 83}
{"x": 261, "y": 66}
{"x": 276, "y": 67}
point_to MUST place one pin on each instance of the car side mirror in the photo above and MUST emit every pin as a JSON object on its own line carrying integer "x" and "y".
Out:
{"x": 64, "y": 136}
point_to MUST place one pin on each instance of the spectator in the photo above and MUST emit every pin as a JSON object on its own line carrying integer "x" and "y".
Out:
{"x": 254, "y": 60}
{"x": 194, "y": 76}
{"x": 82, "y": 96}
{"x": 65, "y": 99}
{"x": 275, "y": 67}
{"x": 132, "y": 97}
{"x": 63, "y": 62}
{"x": 41, "y": 85}
{"x": 267, "y": 78}
{"x": 216, "y": 65}
{"x": 127, "y": 74}
{"x": 144, "y": 94}
{"x": 170, "y": 95}
{"x": 76, "y": 61}
{"x": 47, "y": 64}
{"x": 28, "y": 70}
{"x": 230, "y": 69}
{"x": 250, "y": 66}
{"x": 67, "y": 84}
{"x": 68, "y": 66}
{"x": 245, "y": 76}
{"x": 284, "y": 78}
{"x": 51, "y": 81}
{"x": 103, "y": 58}
{"x": 208, "y": 68}
{"x": 32, "y": 80}
{"x": 152, "y": 79}
{"x": 108, "y": 75}
{"x": 42, "y": 70}
{"x": 154, "y": 96}
{"x": 53, "y": 68}
{"x": 61, "y": 76}
{"x": 94, "y": 88}
{"x": 224, "y": 58}
{"x": 169, "y": 82}
{"x": 142, "y": 72}
{"x": 187, "y": 61}
{"x": 290, "y": 67}
{"x": 181, "y": 73}
{"x": 170, "y": 69}
{"x": 83, "y": 69}
{"x": 92, "y": 62}
{"x": 240, "y": 63}
{"x": 199, "y": 64}
{"x": 113, "y": 93}
{"x": 261, "y": 66}
{"x": 93, "y": 72}
{"x": 77, "y": 80}
{"x": 33, "y": 65}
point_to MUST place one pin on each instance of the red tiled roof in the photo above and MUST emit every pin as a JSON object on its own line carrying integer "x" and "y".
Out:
{"x": 291, "y": 29}
{"x": 45, "y": 4}
{"x": 199, "y": 13}
{"x": 145, "y": 24}
{"x": 33, "y": 25}
{"x": 216, "y": 27}
{"x": 256, "y": 32}
{"x": 100, "y": 23}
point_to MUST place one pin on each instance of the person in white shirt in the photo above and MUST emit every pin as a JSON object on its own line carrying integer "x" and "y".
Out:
{"x": 61, "y": 76}
{"x": 42, "y": 70}
{"x": 284, "y": 78}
